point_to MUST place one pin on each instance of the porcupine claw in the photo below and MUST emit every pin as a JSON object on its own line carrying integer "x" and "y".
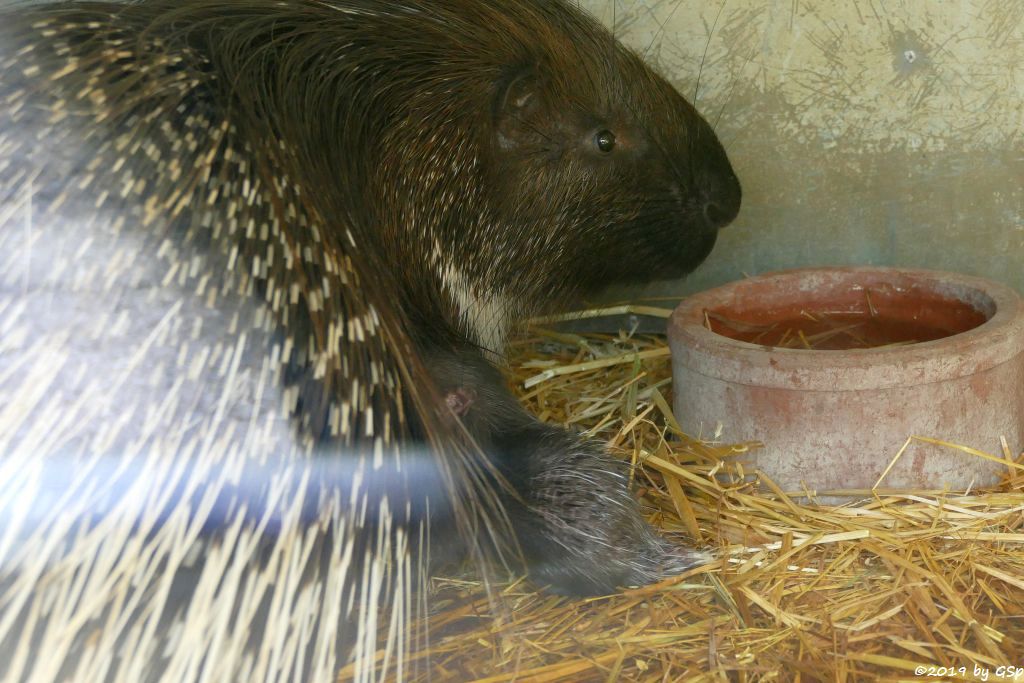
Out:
{"x": 664, "y": 559}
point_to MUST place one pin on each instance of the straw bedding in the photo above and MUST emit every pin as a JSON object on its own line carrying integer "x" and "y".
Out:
{"x": 904, "y": 585}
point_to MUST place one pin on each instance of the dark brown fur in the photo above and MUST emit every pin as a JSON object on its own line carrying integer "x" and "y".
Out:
{"x": 348, "y": 205}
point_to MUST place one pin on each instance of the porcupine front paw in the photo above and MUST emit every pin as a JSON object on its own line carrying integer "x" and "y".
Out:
{"x": 575, "y": 519}
{"x": 581, "y": 529}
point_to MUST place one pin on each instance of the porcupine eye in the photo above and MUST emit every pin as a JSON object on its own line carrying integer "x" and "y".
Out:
{"x": 605, "y": 141}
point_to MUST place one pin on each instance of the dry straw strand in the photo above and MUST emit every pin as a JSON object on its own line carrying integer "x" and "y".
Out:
{"x": 799, "y": 591}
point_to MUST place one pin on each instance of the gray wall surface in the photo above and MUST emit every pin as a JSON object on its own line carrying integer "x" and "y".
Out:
{"x": 863, "y": 132}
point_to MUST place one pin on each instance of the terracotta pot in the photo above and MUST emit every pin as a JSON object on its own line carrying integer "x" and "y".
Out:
{"x": 835, "y": 419}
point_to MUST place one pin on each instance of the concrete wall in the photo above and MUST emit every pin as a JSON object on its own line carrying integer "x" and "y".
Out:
{"x": 864, "y": 132}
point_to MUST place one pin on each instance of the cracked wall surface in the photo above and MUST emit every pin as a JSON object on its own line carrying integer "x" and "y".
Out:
{"x": 864, "y": 132}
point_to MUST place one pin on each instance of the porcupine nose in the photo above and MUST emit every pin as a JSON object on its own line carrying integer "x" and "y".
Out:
{"x": 716, "y": 216}
{"x": 722, "y": 200}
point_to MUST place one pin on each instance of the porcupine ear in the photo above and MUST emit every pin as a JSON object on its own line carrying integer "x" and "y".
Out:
{"x": 517, "y": 103}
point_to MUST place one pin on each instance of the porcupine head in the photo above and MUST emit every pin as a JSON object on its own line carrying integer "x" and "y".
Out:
{"x": 534, "y": 159}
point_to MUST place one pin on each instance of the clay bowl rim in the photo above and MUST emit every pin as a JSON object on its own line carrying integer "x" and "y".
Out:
{"x": 998, "y": 339}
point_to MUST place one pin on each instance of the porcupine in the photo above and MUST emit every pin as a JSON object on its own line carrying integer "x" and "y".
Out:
{"x": 238, "y": 233}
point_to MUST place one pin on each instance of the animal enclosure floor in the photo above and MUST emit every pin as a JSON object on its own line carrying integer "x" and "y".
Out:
{"x": 892, "y": 589}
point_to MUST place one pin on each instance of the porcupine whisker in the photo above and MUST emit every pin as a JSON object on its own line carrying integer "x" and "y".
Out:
{"x": 732, "y": 89}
